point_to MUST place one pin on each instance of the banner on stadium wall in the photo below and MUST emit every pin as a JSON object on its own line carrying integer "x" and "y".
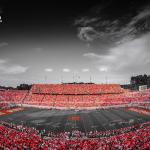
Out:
{"x": 142, "y": 87}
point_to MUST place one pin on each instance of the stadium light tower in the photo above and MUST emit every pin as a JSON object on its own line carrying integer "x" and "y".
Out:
{"x": 90, "y": 79}
{"x": 45, "y": 78}
{"x": 106, "y": 79}
{"x": 73, "y": 78}
{"x": 61, "y": 78}
{"x": 105, "y": 70}
{"x": 78, "y": 78}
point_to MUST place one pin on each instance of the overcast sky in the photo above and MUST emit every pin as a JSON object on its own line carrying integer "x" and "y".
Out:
{"x": 72, "y": 41}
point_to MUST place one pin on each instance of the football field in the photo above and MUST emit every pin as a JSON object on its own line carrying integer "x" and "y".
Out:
{"x": 67, "y": 120}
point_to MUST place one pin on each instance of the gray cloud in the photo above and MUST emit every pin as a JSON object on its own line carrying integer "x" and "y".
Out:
{"x": 6, "y": 68}
{"x": 48, "y": 70}
{"x": 130, "y": 57}
{"x": 85, "y": 70}
{"x": 3, "y": 44}
{"x": 85, "y": 21}
{"x": 118, "y": 41}
{"x": 102, "y": 33}
{"x": 88, "y": 34}
{"x": 66, "y": 70}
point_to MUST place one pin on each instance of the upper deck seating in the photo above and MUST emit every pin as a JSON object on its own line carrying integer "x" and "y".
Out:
{"x": 76, "y": 88}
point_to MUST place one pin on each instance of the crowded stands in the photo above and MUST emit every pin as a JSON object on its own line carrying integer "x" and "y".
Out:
{"x": 76, "y": 88}
{"x": 74, "y": 96}
{"x": 20, "y": 137}
{"x": 13, "y": 96}
{"x": 4, "y": 106}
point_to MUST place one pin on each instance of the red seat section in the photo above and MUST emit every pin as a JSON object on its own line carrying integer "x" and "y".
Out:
{"x": 21, "y": 137}
{"x": 13, "y": 96}
{"x": 75, "y": 96}
{"x": 76, "y": 88}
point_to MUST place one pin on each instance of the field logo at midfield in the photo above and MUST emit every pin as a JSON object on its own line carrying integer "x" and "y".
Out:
{"x": 74, "y": 118}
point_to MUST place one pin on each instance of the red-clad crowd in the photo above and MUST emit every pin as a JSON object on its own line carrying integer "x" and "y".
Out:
{"x": 78, "y": 101}
{"x": 18, "y": 137}
{"x": 76, "y": 88}
{"x": 13, "y": 96}
{"x": 140, "y": 110}
{"x": 75, "y": 96}
{"x": 145, "y": 105}
{"x": 6, "y": 106}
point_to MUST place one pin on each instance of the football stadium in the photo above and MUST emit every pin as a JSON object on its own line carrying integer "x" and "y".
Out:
{"x": 75, "y": 116}
{"x": 75, "y": 75}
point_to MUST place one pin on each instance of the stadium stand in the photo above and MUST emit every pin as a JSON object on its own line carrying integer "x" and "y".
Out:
{"x": 75, "y": 96}
{"x": 4, "y": 106}
{"x": 13, "y": 96}
{"x": 21, "y": 137}
{"x": 76, "y": 88}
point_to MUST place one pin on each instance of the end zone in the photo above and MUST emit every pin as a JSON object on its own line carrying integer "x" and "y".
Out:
{"x": 10, "y": 111}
